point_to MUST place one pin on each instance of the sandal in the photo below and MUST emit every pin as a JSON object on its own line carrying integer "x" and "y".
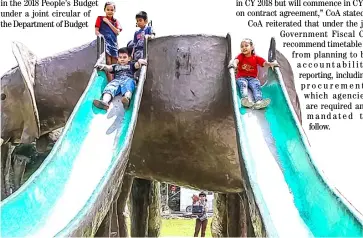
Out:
{"x": 100, "y": 104}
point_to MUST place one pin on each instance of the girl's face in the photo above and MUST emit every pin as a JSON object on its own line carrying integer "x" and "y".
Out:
{"x": 110, "y": 10}
{"x": 202, "y": 198}
{"x": 246, "y": 48}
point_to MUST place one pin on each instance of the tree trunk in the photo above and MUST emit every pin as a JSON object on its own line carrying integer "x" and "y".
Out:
{"x": 238, "y": 222}
{"x": 104, "y": 230}
{"x": 145, "y": 208}
{"x": 139, "y": 201}
{"x": 234, "y": 226}
{"x": 19, "y": 165}
{"x": 254, "y": 216}
{"x": 247, "y": 225}
{"x": 114, "y": 226}
{"x": 121, "y": 201}
{"x": 219, "y": 221}
{"x": 154, "y": 225}
{"x": 7, "y": 170}
{"x": 4, "y": 157}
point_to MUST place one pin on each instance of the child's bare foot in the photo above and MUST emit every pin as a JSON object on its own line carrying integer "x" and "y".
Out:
{"x": 246, "y": 103}
{"x": 100, "y": 104}
{"x": 262, "y": 103}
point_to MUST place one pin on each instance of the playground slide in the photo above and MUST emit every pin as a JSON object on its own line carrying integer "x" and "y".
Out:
{"x": 72, "y": 190}
{"x": 292, "y": 193}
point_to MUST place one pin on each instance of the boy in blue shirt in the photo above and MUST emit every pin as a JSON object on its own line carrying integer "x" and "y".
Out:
{"x": 123, "y": 82}
{"x": 145, "y": 32}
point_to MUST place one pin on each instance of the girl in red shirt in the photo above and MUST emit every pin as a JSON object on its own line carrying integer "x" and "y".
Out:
{"x": 247, "y": 71}
{"x": 109, "y": 27}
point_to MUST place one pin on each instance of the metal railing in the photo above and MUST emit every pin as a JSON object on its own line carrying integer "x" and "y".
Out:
{"x": 101, "y": 46}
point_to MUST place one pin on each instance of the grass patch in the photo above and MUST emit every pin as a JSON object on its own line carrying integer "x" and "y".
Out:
{"x": 180, "y": 227}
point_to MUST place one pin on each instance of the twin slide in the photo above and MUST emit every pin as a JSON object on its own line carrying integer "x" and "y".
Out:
{"x": 70, "y": 193}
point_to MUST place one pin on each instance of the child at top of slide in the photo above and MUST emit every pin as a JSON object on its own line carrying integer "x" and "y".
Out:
{"x": 246, "y": 63}
{"x": 123, "y": 83}
{"x": 109, "y": 27}
{"x": 145, "y": 32}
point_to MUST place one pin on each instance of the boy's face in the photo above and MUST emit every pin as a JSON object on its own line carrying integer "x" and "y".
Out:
{"x": 123, "y": 58}
{"x": 109, "y": 10}
{"x": 246, "y": 48}
{"x": 141, "y": 22}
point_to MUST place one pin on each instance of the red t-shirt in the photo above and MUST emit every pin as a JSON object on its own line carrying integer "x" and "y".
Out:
{"x": 113, "y": 21}
{"x": 247, "y": 66}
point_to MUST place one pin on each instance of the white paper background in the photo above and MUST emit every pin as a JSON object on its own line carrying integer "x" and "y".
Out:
{"x": 338, "y": 150}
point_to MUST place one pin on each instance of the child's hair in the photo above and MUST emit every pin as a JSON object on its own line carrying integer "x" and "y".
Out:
{"x": 202, "y": 194}
{"x": 142, "y": 15}
{"x": 110, "y": 4}
{"x": 249, "y": 41}
{"x": 123, "y": 50}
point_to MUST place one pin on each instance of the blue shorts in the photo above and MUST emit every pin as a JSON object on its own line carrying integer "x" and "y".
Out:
{"x": 120, "y": 86}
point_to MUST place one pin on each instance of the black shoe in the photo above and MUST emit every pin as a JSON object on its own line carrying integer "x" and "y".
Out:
{"x": 100, "y": 104}
{"x": 126, "y": 102}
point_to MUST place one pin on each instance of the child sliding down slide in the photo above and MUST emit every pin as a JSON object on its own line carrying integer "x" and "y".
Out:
{"x": 247, "y": 71}
{"x": 123, "y": 82}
